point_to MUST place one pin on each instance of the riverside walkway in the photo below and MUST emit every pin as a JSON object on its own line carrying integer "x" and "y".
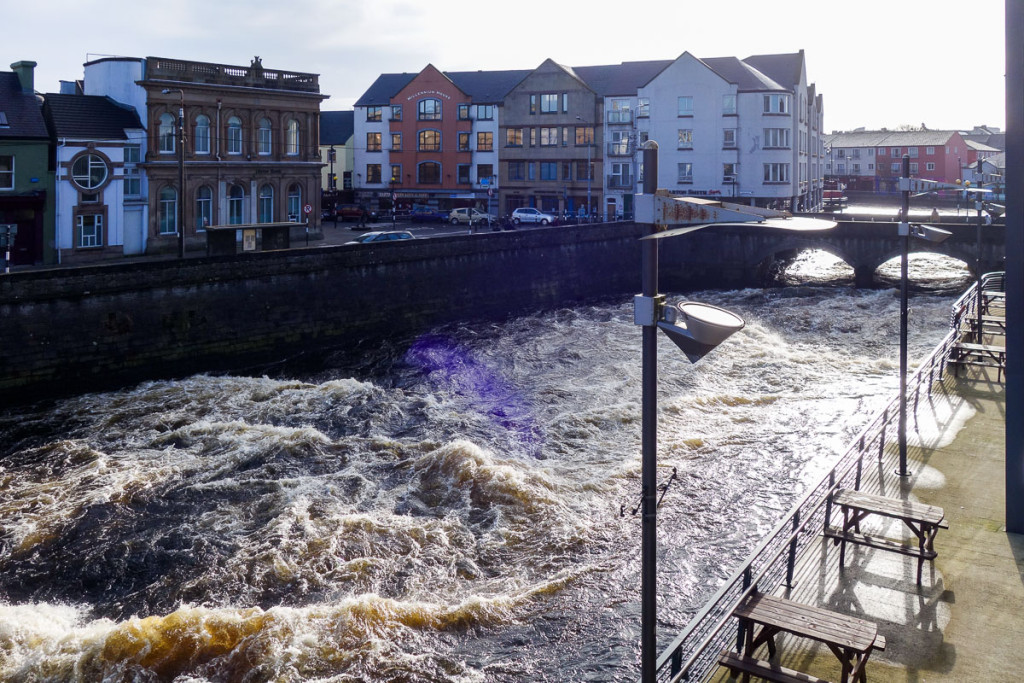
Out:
{"x": 963, "y": 622}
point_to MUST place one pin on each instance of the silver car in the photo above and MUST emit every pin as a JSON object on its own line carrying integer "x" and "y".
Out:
{"x": 471, "y": 216}
{"x": 382, "y": 236}
{"x": 530, "y": 215}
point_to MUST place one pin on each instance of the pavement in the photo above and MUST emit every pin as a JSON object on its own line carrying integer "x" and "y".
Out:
{"x": 963, "y": 623}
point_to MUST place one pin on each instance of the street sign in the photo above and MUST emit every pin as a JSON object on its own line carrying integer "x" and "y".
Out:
{"x": 307, "y": 209}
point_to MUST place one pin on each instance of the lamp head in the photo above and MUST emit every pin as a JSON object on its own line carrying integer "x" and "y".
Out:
{"x": 698, "y": 328}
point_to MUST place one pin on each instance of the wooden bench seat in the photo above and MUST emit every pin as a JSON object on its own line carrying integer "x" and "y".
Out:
{"x": 981, "y": 355}
{"x": 923, "y": 520}
{"x": 737, "y": 663}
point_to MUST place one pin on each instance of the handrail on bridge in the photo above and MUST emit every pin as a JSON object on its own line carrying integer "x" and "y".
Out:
{"x": 693, "y": 654}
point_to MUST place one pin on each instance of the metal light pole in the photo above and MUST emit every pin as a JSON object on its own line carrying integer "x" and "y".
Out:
{"x": 181, "y": 170}
{"x": 696, "y": 329}
{"x": 588, "y": 138}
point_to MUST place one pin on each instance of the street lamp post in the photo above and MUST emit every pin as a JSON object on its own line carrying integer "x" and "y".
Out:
{"x": 181, "y": 169}
{"x": 695, "y": 328}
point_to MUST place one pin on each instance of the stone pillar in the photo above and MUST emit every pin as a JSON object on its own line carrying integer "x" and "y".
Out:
{"x": 863, "y": 277}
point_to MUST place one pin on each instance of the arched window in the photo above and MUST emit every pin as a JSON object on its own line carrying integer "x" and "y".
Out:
{"x": 429, "y": 141}
{"x": 202, "y": 136}
{"x": 428, "y": 173}
{"x": 167, "y": 212}
{"x": 204, "y": 207}
{"x": 294, "y": 202}
{"x": 428, "y": 110}
{"x": 234, "y": 135}
{"x": 236, "y": 205}
{"x": 266, "y": 205}
{"x": 166, "y": 133}
{"x": 264, "y": 137}
{"x": 292, "y": 139}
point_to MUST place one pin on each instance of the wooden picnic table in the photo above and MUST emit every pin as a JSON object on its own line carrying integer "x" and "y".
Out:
{"x": 985, "y": 355}
{"x": 923, "y": 520}
{"x": 850, "y": 639}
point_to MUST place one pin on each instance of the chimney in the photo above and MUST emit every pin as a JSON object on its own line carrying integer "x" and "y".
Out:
{"x": 26, "y": 75}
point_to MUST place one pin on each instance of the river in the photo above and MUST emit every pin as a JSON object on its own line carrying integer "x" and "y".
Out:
{"x": 455, "y": 507}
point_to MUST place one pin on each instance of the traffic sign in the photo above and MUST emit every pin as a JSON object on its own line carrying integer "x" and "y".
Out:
{"x": 307, "y": 209}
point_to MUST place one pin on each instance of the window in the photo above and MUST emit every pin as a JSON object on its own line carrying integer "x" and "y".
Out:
{"x": 90, "y": 231}
{"x": 294, "y": 202}
{"x": 930, "y": 151}
{"x": 566, "y": 170}
{"x": 549, "y": 170}
{"x": 485, "y": 142}
{"x": 728, "y": 105}
{"x": 234, "y": 135}
{"x": 684, "y": 171}
{"x": 396, "y": 112}
{"x": 463, "y": 174}
{"x": 236, "y": 205}
{"x": 584, "y": 171}
{"x": 373, "y": 173}
{"x": 685, "y": 106}
{"x": 265, "y": 205}
{"x": 264, "y": 138}
{"x": 204, "y": 207}
{"x": 584, "y": 135}
{"x": 202, "y": 134}
{"x": 776, "y": 173}
{"x": 291, "y": 137}
{"x": 620, "y": 112}
{"x": 89, "y": 171}
{"x": 912, "y": 151}
{"x": 777, "y": 138}
{"x": 549, "y": 103}
{"x": 167, "y": 211}
{"x": 514, "y": 137}
{"x": 428, "y": 110}
{"x": 685, "y": 138}
{"x": 132, "y": 174}
{"x": 463, "y": 142}
{"x": 429, "y": 141}
{"x": 913, "y": 168}
{"x": 6, "y": 172}
{"x": 548, "y": 137}
{"x": 895, "y": 168}
{"x": 643, "y": 107}
{"x": 895, "y": 151}
{"x": 165, "y": 131}
{"x": 728, "y": 138}
{"x": 373, "y": 142}
{"x": 531, "y": 171}
{"x": 533, "y": 105}
{"x": 776, "y": 104}
{"x": 374, "y": 113}
{"x": 396, "y": 173}
{"x": 396, "y": 142}
{"x": 728, "y": 173}
{"x": 428, "y": 173}
{"x": 515, "y": 170}
{"x": 930, "y": 166}
{"x": 485, "y": 112}
{"x": 881, "y": 151}
{"x": 463, "y": 112}
{"x": 533, "y": 137}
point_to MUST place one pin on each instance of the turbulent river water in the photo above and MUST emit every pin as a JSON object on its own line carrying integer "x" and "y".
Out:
{"x": 455, "y": 507}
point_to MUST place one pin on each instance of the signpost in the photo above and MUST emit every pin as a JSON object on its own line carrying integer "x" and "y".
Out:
{"x": 7, "y": 234}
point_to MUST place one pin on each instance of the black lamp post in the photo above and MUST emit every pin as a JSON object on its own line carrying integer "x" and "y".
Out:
{"x": 180, "y": 218}
{"x": 695, "y": 328}
{"x": 590, "y": 171}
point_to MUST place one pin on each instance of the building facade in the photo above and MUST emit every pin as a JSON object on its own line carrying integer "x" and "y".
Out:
{"x": 26, "y": 176}
{"x": 872, "y": 160}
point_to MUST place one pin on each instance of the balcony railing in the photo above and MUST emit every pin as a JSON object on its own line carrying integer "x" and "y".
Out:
{"x": 621, "y": 148}
{"x": 620, "y": 116}
{"x": 253, "y": 76}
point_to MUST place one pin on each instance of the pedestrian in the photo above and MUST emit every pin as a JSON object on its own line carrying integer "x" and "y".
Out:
{"x": 935, "y": 214}
{"x": 363, "y": 214}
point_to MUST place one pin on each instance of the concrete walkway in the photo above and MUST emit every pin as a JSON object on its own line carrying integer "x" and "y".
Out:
{"x": 964, "y": 622}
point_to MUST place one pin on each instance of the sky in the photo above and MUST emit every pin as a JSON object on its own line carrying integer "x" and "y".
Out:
{"x": 877, "y": 63}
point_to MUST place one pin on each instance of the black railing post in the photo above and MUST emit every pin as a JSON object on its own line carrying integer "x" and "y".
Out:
{"x": 791, "y": 562}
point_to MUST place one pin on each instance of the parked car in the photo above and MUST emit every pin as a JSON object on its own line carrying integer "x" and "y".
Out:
{"x": 530, "y": 215}
{"x": 353, "y": 212}
{"x": 383, "y": 236}
{"x": 470, "y": 216}
{"x": 425, "y": 214}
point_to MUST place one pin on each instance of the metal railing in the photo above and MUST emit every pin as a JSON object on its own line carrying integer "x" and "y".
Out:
{"x": 693, "y": 654}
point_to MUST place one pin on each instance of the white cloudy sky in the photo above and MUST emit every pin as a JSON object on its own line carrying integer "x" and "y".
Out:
{"x": 877, "y": 62}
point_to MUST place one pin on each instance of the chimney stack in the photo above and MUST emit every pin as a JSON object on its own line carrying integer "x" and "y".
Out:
{"x": 26, "y": 75}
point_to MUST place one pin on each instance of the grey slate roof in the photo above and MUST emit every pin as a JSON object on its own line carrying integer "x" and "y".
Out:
{"x": 621, "y": 79}
{"x": 783, "y": 68}
{"x": 746, "y": 77}
{"x": 336, "y": 127}
{"x": 89, "y": 117}
{"x": 22, "y": 111}
{"x": 890, "y": 138}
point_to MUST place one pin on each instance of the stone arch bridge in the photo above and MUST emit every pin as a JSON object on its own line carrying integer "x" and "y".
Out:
{"x": 745, "y": 255}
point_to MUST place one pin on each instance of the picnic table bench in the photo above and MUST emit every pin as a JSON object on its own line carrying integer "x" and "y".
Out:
{"x": 849, "y": 638}
{"x": 982, "y": 355}
{"x": 990, "y": 297}
{"x": 923, "y": 520}
{"x": 990, "y": 324}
